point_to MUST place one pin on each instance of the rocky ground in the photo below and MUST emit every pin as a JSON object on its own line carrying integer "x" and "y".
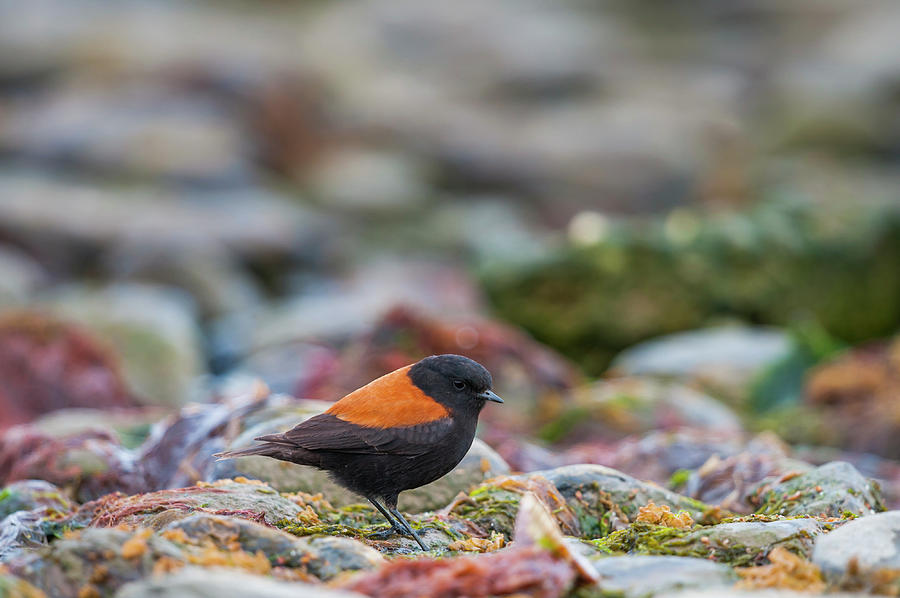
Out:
{"x": 670, "y": 230}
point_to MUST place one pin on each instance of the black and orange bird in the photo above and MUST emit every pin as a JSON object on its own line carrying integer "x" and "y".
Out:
{"x": 398, "y": 432}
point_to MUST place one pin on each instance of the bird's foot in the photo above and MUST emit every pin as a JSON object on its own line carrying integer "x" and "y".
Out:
{"x": 387, "y": 533}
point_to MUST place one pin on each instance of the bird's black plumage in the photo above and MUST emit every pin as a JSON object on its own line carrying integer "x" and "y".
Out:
{"x": 401, "y": 431}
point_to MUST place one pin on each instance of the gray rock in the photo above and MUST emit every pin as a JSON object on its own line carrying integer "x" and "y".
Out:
{"x": 142, "y": 130}
{"x": 359, "y": 179}
{"x": 194, "y": 582}
{"x": 479, "y": 464}
{"x": 638, "y": 576}
{"x": 874, "y": 541}
{"x": 321, "y": 556}
{"x": 736, "y": 349}
{"x": 632, "y": 405}
{"x": 154, "y": 331}
{"x": 20, "y": 277}
{"x": 831, "y": 490}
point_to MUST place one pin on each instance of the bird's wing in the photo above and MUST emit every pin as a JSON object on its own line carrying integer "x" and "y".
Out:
{"x": 326, "y": 432}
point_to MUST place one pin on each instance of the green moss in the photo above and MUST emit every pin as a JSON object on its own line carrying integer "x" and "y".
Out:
{"x": 679, "y": 478}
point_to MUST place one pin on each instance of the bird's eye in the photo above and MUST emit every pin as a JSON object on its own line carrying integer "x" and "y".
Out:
{"x": 459, "y": 385}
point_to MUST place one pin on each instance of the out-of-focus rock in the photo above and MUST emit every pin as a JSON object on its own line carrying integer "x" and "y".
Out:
{"x": 27, "y": 495}
{"x": 153, "y": 330}
{"x": 348, "y": 307}
{"x": 866, "y": 544}
{"x": 859, "y": 391}
{"x": 639, "y": 576}
{"x": 87, "y": 464}
{"x": 74, "y": 220}
{"x": 832, "y": 490}
{"x": 48, "y": 364}
{"x": 138, "y": 130}
{"x": 370, "y": 180}
{"x": 635, "y": 282}
{"x": 722, "y": 358}
{"x": 195, "y": 582}
{"x": 20, "y": 277}
{"x": 618, "y": 407}
{"x": 131, "y": 426}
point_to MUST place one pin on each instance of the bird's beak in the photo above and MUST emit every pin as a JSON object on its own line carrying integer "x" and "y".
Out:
{"x": 489, "y": 395}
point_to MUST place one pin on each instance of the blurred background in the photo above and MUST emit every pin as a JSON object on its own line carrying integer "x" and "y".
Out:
{"x": 664, "y": 226}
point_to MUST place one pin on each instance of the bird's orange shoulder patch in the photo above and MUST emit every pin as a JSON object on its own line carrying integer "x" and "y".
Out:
{"x": 389, "y": 402}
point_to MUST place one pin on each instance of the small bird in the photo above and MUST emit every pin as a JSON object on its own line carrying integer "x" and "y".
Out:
{"x": 398, "y": 432}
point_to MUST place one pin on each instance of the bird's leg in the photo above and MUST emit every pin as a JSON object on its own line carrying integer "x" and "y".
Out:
{"x": 405, "y": 524}
{"x": 395, "y": 528}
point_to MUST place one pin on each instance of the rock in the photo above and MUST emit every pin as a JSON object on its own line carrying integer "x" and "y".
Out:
{"x": 323, "y": 557}
{"x": 153, "y": 330}
{"x": 723, "y": 360}
{"x": 253, "y": 501}
{"x": 140, "y": 130}
{"x": 95, "y": 559}
{"x": 86, "y": 464}
{"x": 831, "y": 490}
{"x": 756, "y": 539}
{"x": 22, "y": 530}
{"x": 642, "y": 576}
{"x": 852, "y": 392}
{"x": 47, "y": 364}
{"x": 131, "y": 426}
{"x": 20, "y": 277}
{"x": 739, "y": 350}
{"x": 735, "y": 593}
{"x": 479, "y": 464}
{"x": 348, "y": 307}
{"x": 872, "y": 541}
{"x": 623, "y": 406}
{"x": 605, "y": 499}
{"x": 370, "y": 180}
{"x": 18, "y": 588}
{"x": 738, "y": 544}
{"x": 27, "y": 495}
{"x": 194, "y": 582}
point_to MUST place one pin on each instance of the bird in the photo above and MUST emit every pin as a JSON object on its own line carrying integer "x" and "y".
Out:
{"x": 401, "y": 431}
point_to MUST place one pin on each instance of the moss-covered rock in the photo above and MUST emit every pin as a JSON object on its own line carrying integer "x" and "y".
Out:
{"x": 235, "y": 498}
{"x": 770, "y": 265}
{"x": 323, "y": 557}
{"x": 835, "y": 489}
{"x": 738, "y": 544}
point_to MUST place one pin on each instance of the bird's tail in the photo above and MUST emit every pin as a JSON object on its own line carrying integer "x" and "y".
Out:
{"x": 266, "y": 450}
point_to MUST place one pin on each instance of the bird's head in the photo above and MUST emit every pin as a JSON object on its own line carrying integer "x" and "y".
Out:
{"x": 457, "y": 382}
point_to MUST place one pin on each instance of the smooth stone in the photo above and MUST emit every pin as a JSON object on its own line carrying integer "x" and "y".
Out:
{"x": 874, "y": 541}
{"x": 638, "y": 576}
{"x": 154, "y": 330}
{"x": 195, "y": 582}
